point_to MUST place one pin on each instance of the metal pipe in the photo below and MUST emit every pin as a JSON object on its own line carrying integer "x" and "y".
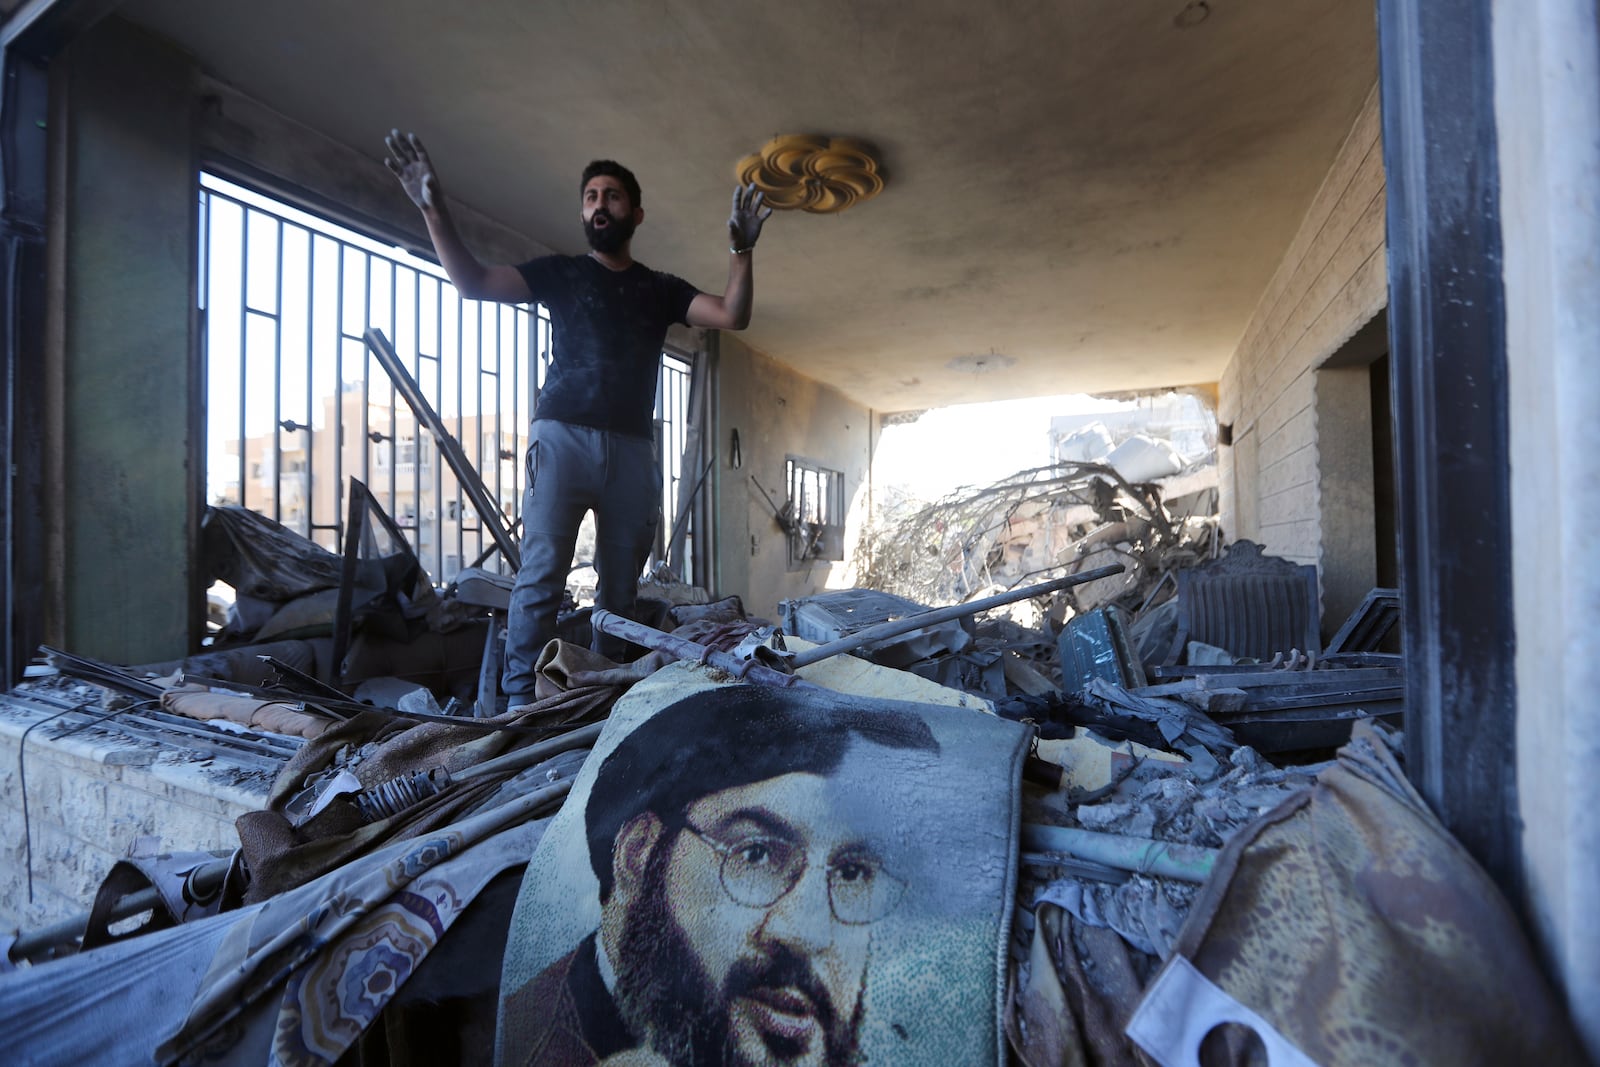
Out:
{"x": 895, "y": 627}
{"x": 1165, "y": 859}
{"x": 675, "y": 538}
{"x": 611, "y": 623}
{"x": 527, "y": 757}
{"x": 207, "y": 879}
{"x": 28, "y": 945}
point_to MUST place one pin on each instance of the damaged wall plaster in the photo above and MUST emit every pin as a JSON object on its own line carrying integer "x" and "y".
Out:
{"x": 1347, "y": 558}
{"x": 778, "y": 413}
{"x": 126, "y": 505}
{"x": 92, "y": 796}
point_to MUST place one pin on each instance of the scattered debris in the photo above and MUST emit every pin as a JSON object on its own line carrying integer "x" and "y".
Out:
{"x": 1036, "y": 524}
{"x": 1175, "y": 690}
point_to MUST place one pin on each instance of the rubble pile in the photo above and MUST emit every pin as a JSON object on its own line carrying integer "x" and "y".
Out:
{"x": 1155, "y": 802}
{"x": 1168, "y": 718}
{"x": 1040, "y": 523}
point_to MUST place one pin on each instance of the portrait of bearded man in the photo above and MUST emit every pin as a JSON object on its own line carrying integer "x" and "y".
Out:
{"x": 742, "y": 871}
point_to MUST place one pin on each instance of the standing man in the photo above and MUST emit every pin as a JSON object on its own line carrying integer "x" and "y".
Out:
{"x": 592, "y": 444}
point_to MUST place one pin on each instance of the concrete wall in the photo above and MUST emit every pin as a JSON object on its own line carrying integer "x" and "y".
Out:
{"x": 1547, "y": 104}
{"x": 92, "y": 797}
{"x": 123, "y": 189}
{"x": 133, "y": 123}
{"x": 1331, "y": 281}
{"x": 1346, "y": 490}
{"x": 239, "y": 138}
{"x": 778, "y": 413}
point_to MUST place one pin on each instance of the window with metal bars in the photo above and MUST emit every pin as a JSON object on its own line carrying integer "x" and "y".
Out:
{"x": 815, "y": 510}
{"x": 295, "y": 404}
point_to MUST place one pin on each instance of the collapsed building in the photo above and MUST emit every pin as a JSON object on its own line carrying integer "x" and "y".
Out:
{"x": 1118, "y": 878}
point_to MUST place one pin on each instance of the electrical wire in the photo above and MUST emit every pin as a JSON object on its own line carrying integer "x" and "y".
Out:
{"x": 22, "y": 769}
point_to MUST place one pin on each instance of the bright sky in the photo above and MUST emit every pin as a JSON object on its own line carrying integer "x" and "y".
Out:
{"x": 974, "y": 444}
{"x": 302, "y": 337}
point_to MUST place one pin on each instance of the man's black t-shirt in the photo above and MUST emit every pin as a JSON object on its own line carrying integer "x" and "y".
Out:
{"x": 609, "y": 328}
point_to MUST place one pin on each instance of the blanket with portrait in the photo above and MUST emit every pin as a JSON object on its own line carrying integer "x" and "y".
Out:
{"x": 759, "y": 875}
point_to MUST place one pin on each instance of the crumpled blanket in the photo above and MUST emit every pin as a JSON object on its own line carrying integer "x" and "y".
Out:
{"x": 322, "y": 958}
{"x": 339, "y": 956}
{"x": 1355, "y": 890}
{"x": 563, "y": 666}
{"x": 1347, "y": 919}
{"x": 281, "y": 854}
{"x": 1081, "y": 985}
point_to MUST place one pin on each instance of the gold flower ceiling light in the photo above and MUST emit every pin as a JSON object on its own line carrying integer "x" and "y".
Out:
{"x": 822, "y": 175}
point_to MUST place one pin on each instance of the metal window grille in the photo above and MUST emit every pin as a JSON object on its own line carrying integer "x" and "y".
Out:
{"x": 816, "y": 512}
{"x": 295, "y": 404}
{"x": 672, "y": 420}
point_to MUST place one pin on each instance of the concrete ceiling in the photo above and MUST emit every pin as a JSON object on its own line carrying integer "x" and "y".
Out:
{"x": 1082, "y": 195}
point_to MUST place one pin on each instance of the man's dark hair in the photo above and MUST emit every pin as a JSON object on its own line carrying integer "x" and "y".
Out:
{"x": 733, "y": 736}
{"x": 612, "y": 169}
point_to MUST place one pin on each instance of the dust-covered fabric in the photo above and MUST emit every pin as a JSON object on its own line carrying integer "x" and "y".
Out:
{"x": 284, "y": 850}
{"x": 293, "y": 980}
{"x": 110, "y": 1006}
{"x": 1079, "y": 988}
{"x": 773, "y": 874}
{"x": 264, "y": 559}
{"x": 609, "y": 329}
{"x": 304, "y": 975}
{"x": 1363, "y": 932}
{"x": 278, "y": 716}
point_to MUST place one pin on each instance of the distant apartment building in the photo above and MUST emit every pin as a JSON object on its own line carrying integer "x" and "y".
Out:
{"x": 1181, "y": 419}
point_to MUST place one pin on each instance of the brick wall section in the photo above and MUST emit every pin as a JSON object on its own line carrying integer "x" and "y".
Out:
{"x": 1332, "y": 280}
{"x": 90, "y": 797}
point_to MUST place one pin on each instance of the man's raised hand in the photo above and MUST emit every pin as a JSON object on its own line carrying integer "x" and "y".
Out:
{"x": 410, "y": 163}
{"x": 744, "y": 224}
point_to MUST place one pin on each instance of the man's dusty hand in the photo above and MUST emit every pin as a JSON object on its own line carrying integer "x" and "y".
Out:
{"x": 410, "y": 163}
{"x": 744, "y": 224}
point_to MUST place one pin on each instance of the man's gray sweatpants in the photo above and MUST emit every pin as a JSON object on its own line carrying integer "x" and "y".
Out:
{"x": 573, "y": 469}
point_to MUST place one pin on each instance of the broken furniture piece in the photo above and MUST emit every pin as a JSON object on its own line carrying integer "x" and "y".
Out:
{"x": 1299, "y": 701}
{"x": 1277, "y": 711}
{"x": 1250, "y": 604}
{"x": 922, "y": 622}
{"x": 1096, "y": 645}
{"x": 832, "y": 616}
{"x": 1367, "y": 625}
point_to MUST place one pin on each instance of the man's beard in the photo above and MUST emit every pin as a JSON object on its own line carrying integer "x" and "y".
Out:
{"x": 610, "y": 238}
{"x": 664, "y": 994}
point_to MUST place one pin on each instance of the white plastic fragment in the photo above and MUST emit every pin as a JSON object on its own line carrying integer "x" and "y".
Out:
{"x": 1183, "y": 1006}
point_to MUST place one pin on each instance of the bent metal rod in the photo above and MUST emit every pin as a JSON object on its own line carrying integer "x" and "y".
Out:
{"x": 895, "y": 627}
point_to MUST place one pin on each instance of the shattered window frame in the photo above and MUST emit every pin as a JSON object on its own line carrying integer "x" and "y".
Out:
{"x": 814, "y": 512}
